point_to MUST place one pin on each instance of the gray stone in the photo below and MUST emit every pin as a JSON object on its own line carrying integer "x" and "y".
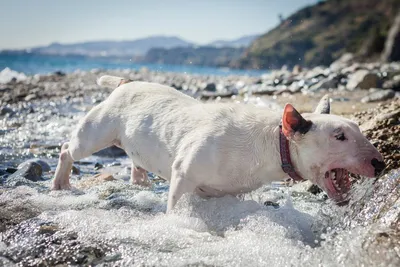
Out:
{"x": 363, "y": 79}
{"x": 45, "y": 166}
{"x": 392, "y": 84}
{"x": 30, "y": 170}
{"x": 344, "y": 61}
{"x": 5, "y": 110}
{"x": 330, "y": 82}
{"x": 210, "y": 87}
{"x": 380, "y": 95}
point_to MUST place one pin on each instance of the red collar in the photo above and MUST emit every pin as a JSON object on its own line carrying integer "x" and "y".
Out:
{"x": 287, "y": 165}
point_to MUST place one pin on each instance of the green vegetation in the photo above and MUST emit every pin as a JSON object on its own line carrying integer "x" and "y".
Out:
{"x": 319, "y": 34}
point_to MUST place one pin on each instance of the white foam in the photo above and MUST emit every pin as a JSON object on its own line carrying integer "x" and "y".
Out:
{"x": 7, "y": 74}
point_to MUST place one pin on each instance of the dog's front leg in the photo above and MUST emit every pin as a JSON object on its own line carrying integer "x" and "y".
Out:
{"x": 179, "y": 185}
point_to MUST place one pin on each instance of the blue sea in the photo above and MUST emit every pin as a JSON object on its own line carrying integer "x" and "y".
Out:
{"x": 42, "y": 64}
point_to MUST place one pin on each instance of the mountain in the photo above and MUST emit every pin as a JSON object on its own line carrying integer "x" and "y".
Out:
{"x": 202, "y": 56}
{"x": 319, "y": 34}
{"x": 244, "y": 41}
{"x": 112, "y": 48}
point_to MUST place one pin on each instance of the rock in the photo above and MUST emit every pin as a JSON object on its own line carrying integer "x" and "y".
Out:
{"x": 363, "y": 79}
{"x": 211, "y": 87}
{"x": 314, "y": 189}
{"x": 111, "y": 151}
{"x": 75, "y": 170}
{"x": 59, "y": 73}
{"x": 207, "y": 94}
{"x": 5, "y": 110}
{"x": 98, "y": 166}
{"x": 331, "y": 82}
{"x": 297, "y": 69}
{"x": 30, "y": 97}
{"x": 45, "y": 166}
{"x": 30, "y": 170}
{"x": 98, "y": 179}
{"x": 344, "y": 61}
{"x": 271, "y": 203}
{"x": 380, "y": 95}
{"x": 392, "y": 84}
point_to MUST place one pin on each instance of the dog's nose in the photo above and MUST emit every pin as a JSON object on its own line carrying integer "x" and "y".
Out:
{"x": 378, "y": 165}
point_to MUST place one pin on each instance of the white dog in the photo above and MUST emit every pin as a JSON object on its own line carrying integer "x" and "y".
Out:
{"x": 217, "y": 149}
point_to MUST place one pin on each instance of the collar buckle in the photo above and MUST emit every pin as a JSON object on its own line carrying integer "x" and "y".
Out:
{"x": 287, "y": 167}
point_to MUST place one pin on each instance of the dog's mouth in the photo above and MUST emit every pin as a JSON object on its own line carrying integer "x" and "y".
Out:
{"x": 337, "y": 184}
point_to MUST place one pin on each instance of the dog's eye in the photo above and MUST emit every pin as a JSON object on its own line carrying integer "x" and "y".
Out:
{"x": 341, "y": 137}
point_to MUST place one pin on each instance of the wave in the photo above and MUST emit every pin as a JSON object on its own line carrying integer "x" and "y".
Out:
{"x": 7, "y": 75}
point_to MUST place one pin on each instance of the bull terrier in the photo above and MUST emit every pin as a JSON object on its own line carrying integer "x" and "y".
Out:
{"x": 217, "y": 149}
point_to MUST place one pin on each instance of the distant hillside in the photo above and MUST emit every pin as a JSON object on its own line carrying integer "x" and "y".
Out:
{"x": 244, "y": 41}
{"x": 321, "y": 33}
{"x": 202, "y": 56}
{"x": 112, "y": 48}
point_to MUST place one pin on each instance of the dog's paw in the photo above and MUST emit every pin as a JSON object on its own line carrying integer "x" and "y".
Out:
{"x": 61, "y": 186}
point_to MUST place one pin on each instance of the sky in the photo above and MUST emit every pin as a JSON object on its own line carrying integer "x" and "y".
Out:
{"x": 30, "y": 23}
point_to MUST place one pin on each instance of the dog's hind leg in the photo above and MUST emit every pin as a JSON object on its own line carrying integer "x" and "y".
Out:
{"x": 139, "y": 176}
{"x": 95, "y": 132}
{"x": 179, "y": 185}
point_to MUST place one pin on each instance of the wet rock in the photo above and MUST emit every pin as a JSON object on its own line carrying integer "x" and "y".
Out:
{"x": 111, "y": 152}
{"x": 59, "y": 73}
{"x": 271, "y": 203}
{"x": 75, "y": 170}
{"x": 314, "y": 189}
{"x": 363, "y": 79}
{"x": 31, "y": 171}
{"x": 98, "y": 166}
{"x": 380, "y": 95}
{"x": 45, "y": 166}
{"x": 211, "y": 87}
{"x": 11, "y": 170}
{"x": 5, "y": 110}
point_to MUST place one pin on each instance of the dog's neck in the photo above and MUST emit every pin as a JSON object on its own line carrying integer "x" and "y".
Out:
{"x": 271, "y": 167}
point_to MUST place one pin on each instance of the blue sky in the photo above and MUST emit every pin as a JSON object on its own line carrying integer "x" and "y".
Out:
{"x": 29, "y": 23}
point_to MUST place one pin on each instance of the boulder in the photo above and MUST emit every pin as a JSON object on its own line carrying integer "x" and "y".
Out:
{"x": 380, "y": 95}
{"x": 344, "y": 61}
{"x": 363, "y": 79}
{"x": 45, "y": 166}
{"x": 30, "y": 170}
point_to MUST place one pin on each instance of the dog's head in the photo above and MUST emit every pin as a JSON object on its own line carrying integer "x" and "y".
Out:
{"x": 328, "y": 147}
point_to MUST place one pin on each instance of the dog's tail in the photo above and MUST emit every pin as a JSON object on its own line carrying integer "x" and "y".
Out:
{"x": 111, "y": 81}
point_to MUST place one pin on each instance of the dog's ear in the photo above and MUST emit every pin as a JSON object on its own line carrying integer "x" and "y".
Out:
{"x": 324, "y": 106}
{"x": 293, "y": 122}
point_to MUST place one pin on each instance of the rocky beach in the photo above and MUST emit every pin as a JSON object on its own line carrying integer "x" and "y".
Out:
{"x": 106, "y": 221}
